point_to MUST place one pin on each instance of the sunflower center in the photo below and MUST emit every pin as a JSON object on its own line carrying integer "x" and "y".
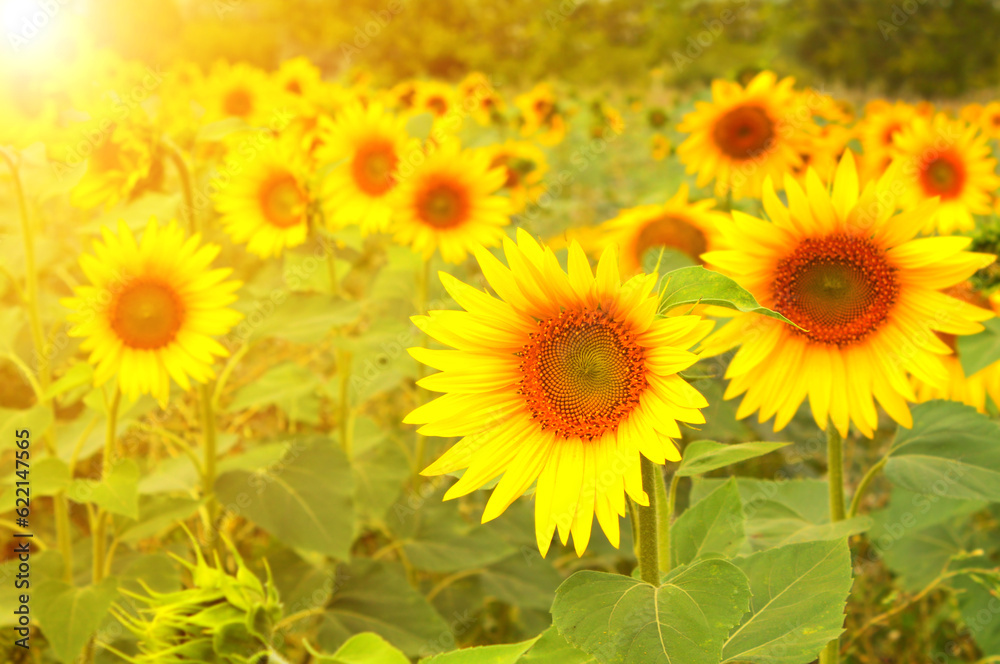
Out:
{"x": 294, "y": 87}
{"x": 282, "y": 201}
{"x": 943, "y": 176}
{"x": 839, "y": 288}
{"x": 238, "y": 102}
{"x": 744, "y": 132}
{"x": 373, "y": 167}
{"x": 582, "y": 373}
{"x": 889, "y": 133}
{"x": 443, "y": 205}
{"x": 672, "y": 233}
{"x": 146, "y": 314}
{"x": 437, "y": 105}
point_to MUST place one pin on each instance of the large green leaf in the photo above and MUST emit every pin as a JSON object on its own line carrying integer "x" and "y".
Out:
{"x": 118, "y": 493}
{"x": 712, "y": 526}
{"x": 504, "y": 654}
{"x": 49, "y": 476}
{"x": 304, "y": 500}
{"x": 373, "y": 596}
{"x": 978, "y": 351}
{"x": 524, "y": 579}
{"x": 365, "y": 648}
{"x": 799, "y": 595}
{"x": 380, "y": 471}
{"x": 69, "y": 616}
{"x": 951, "y": 452}
{"x": 702, "y": 456}
{"x": 300, "y": 317}
{"x": 696, "y": 285}
{"x": 620, "y": 620}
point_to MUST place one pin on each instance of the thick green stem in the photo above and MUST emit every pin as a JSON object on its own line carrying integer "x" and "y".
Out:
{"x": 648, "y": 528}
{"x": 662, "y": 519}
{"x": 344, "y": 374}
{"x": 100, "y": 521}
{"x": 210, "y": 452}
{"x": 835, "y": 467}
{"x": 863, "y": 487}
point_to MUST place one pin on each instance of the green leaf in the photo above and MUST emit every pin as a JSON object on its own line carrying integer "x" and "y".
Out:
{"x": 375, "y": 596}
{"x": 552, "y": 648}
{"x": 978, "y": 351}
{"x": 502, "y": 654}
{"x": 49, "y": 476}
{"x": 304, "y": 499}
{"x": 696, "y": 285}
{"x": 799, "y": 595}
{"x": 69, "y": 616}
{"x": 703, "y": 456}
{"x": 524, "y": 580}
{"x": 419, "y": 125}
{"x": 78, "y": 375}
{"x": 301, "y": 317}
{"x": 436, "y": 538}
{"x": 366, "y": 648}
{"x": 156, "y": 514}
{"x": 292, "y": 388}
{"x": 951, "y": 452}
{"x": 712, "y": 526}
{"x": 36, "y": 419}
{"x": 621, "y": 620}
{"x": 118, "y": 493}
{"x": 380, "y": 471}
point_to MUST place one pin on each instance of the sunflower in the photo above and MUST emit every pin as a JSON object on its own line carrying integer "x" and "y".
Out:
{"x": 121, "y": 159}
{"x": 299, "y": 77}
{"x": 688, "y": 227}
{"x": 970, "y": 390}
{"x": 822, "y": 152}
{"x": 948, "y": 159}
{"x": 151, "y": 309}
{"x": 877, "y": 132}
{"x": 371, "y": 143}
{"x": 660, "y": 145}
{"x": 266, "y": 206}
{"x": 867, "y": 297}
{"x": 436, "y": 98}
{"x": 479, "y": 98}
{"x": 239, "y": 91}
{"x": 565, "y": 379}
{"x": 449, "y": 204}
{"x": 989, "y": 119}
{"x": 741, "y": 136}
{"x": 540, "y": 115}
{"x": 525, "y": 165}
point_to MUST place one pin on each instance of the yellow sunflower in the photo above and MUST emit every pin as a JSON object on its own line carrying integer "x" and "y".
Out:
{"x": 540, "y": 115}
{"x": 566, "y": 378}
{"x": 239, "y": 91}
{"x": 120, "y": 159}
{"x": 742, "y": 136}
{"x": 822, "y": 152}
{"x": 479, "y": 98}
{"x": 661, "y": 146}
{"x": 266, "y": 206}
{"x": 151, "y": 309}
{"x": 867, "y": 295}
{"x": 971, "y": 390}
{"x": 371, "y": 143}
{"x": 689, "y": 227}
{"x": 877, "y": 132}
{"x": 299, "y": 77}
{"x": 989, "y": 119}
{"x": 449, "y": 204}
{"x": 436, "y": 98}
{"x": 525, "y": 166}
{"x": 948, "y": 159}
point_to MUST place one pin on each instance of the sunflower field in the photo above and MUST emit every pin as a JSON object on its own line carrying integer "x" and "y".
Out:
{"x": 472, "y": 332}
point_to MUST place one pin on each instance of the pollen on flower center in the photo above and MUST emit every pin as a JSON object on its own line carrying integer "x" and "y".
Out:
{"x": 282, "y": 200}
{"x": 443, "y": 204}
{"x": 744, "y": 132}
{"x": 838, "y": 288}
{"x": 238, "y": 102}
{"x": 943, "y": 176}
{"x": 373, "y": 167}
{"x": 671, "y": 232}
{"x": 582, "y": 373}
{"x": 146, "y": 314}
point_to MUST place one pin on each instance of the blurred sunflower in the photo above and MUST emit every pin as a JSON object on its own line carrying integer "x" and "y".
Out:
{"x": 541, "y": 118}
{"x": 479, "y": 98}
{"x": 299, "y": 77}
{"x": 123, "y": 157}
{"x": 970, "y": 390}
{"x": 266, "y": 206}
{"x": 238, "y": 91}
{"x": 822, "y": 152}
{"x": 525, "y": 165}
{"x": 740, "y": 137}
{"x": 657, "y": 118}
{"x": 566, "y": 379}
{"x": 867, "y": 296}
{"x": 989, "y": 119}
{"x": 951, "y": 160}
{"x": 371, "y": 143}
{"x": 449, "y": 204}
{"x": 877, "y": 132}
{"x": 691, "y": 228}
{"x": 151, "y": 309}
{"x": 403, "y": 96}
{"x": 436, "y": 98}
{"x": 661, "y": 146}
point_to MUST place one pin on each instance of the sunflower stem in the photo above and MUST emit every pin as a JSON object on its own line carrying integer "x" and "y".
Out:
{"x": 648, "y": 535}
{"x": 210, "y": 453}
{"x": 344, "y": 373}
{"x": 100, "y": 521}
{"x": 423, "y": 288}
{"x": 662, "y": 520}
{"x": 835, "y": 467}
{"x": 184, "y": 172}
